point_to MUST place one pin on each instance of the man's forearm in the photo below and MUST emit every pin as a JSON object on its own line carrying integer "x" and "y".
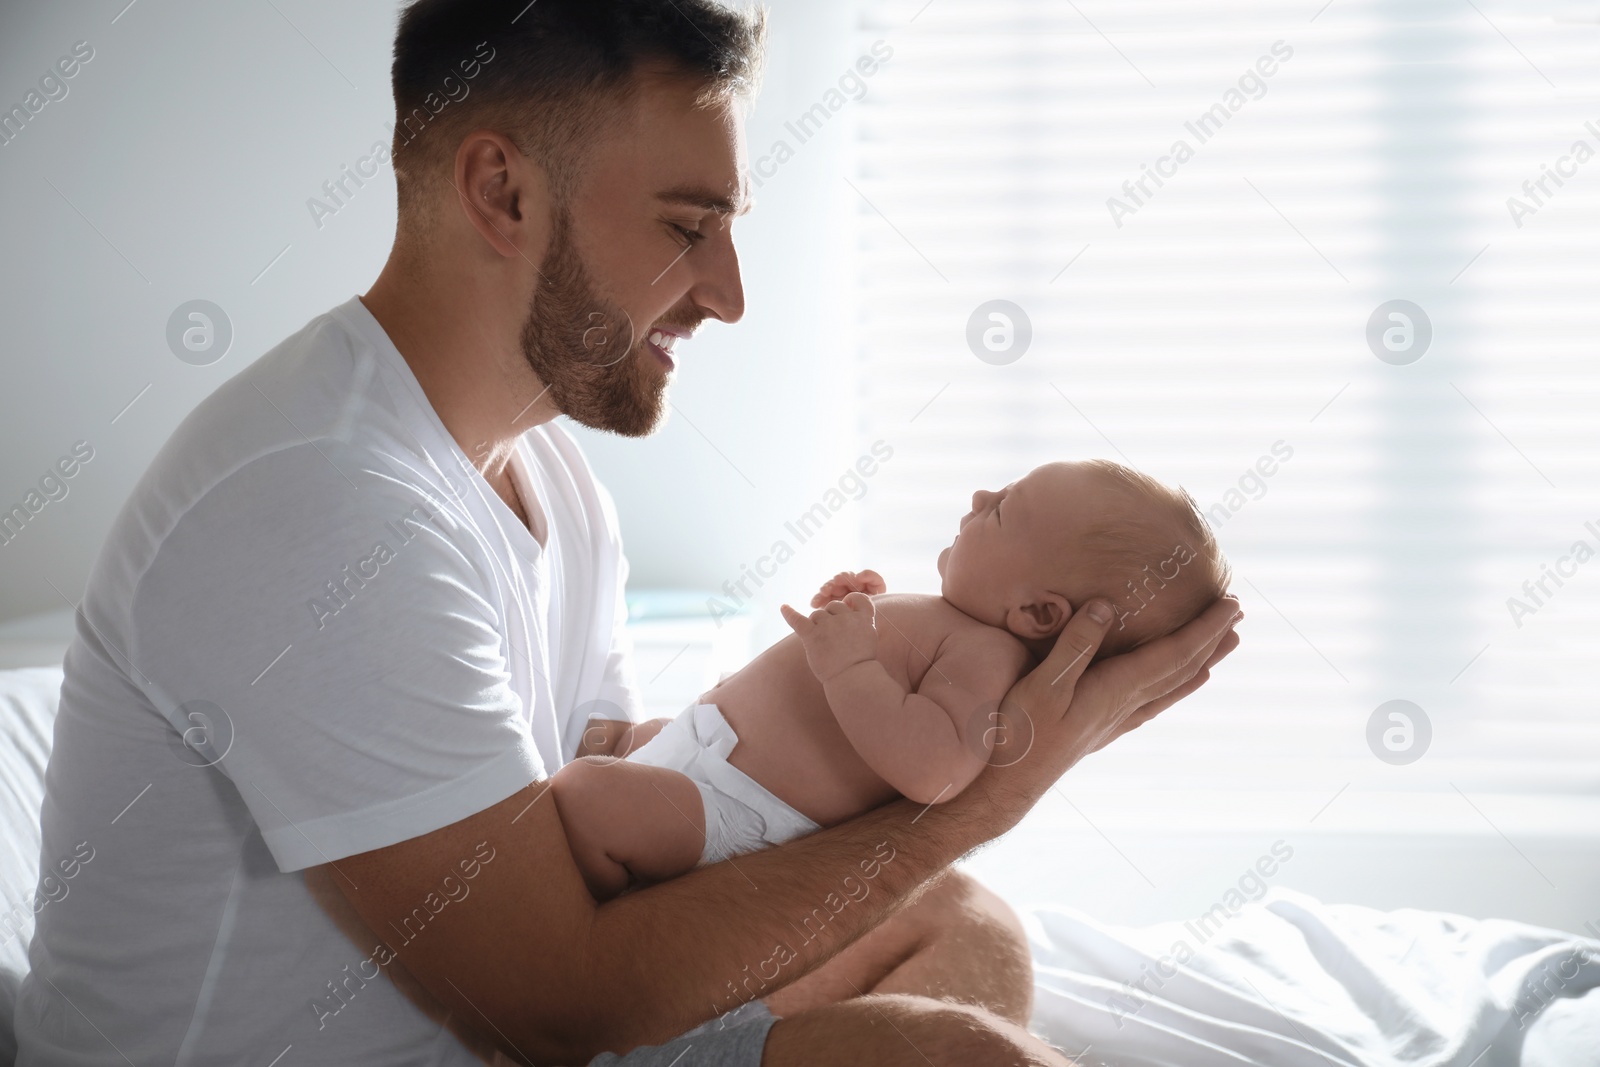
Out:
{"x": 738, "y": 930}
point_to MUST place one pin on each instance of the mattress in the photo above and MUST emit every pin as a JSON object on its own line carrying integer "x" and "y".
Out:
{"x": 28, "y": 700}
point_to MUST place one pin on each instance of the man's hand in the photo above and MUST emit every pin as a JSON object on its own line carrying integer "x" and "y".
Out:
{"x": 615, "y": 737}
{"x": 635, "y": 738}
{"x": 844, "y": 583}
{"x": 838, "y": 636}
{"x": 1064, "y": 709}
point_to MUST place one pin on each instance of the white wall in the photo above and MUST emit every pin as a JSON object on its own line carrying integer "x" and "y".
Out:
{"x": 188, "y": 147}
{"x": 179, "y": 166}
{"x": 766, "y": 408}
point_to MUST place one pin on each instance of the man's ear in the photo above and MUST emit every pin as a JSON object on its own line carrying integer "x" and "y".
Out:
{"x": 503, "y": 194}
{"x": 1043, "y": 616}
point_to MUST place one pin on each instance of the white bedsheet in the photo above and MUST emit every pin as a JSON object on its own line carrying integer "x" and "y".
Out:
{"x": 1291, "y": 982}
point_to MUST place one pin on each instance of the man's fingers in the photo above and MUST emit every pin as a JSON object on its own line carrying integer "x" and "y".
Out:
{"x": 1076, "y": 646}
{"x": 1188, "y": 688}
{"x": 1212, "y": 630}
{"x": 1144, "y": 715}
{"x": 1159, "y": 689}
{"x": 1195, "y": 641}
{"x": 1229, "y": 642}
{"x": 1157, "y": 668}
{"x": 1156, "y": 707}
{"x": 1159, "y": 695}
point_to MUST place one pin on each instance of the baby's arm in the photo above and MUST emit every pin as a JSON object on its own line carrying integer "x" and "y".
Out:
{"x": 928, "y": 745}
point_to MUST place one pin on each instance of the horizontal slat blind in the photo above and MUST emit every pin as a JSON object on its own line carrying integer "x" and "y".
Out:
{"x": 1224, "y": 312}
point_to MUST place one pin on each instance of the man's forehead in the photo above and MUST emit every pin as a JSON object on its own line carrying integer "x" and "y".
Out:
{"x": 701, "y": 143}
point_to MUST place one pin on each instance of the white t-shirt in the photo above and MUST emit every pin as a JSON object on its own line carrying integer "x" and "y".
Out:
{"x": 314, "y": 630}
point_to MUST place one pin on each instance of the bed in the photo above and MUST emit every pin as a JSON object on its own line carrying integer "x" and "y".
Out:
{"x": 1285, "y": 982}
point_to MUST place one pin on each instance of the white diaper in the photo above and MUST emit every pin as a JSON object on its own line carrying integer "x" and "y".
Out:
{"x": 741, "y": 814}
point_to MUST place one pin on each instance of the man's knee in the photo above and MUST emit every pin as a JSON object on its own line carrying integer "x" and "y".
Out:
{"x": 963, "y": 1034}
{"x": 897, "y": 1030}
{"x": 959, "y": 902}
{"x": 973, "y": 923}
{"x": 960, "y": 893}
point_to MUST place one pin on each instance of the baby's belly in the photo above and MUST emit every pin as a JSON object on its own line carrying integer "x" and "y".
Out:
{"x": 789, "y": 740}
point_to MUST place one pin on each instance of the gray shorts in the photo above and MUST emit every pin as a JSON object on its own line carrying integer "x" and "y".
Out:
{"x": 732, "y": 1040}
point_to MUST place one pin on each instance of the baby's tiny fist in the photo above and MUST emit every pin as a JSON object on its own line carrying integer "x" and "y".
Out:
{"x": 840, "y": 636}
{"x": 844, "y": 583}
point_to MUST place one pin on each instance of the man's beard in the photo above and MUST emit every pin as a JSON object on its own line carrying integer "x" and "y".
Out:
{"x": 583, "y": 347}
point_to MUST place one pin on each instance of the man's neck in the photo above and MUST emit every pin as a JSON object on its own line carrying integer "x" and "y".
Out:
{"x": 513, "y": 498}
{"x": 467, "y": 357}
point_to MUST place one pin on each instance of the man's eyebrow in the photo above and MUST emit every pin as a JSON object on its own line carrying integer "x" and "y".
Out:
{"x": 707, "y": 200}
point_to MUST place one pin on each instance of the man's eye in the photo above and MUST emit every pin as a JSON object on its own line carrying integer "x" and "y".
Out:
{"x": 691, "y": 236}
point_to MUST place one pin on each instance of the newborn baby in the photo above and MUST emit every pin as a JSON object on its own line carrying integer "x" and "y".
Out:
{"x": 879, "y": 695}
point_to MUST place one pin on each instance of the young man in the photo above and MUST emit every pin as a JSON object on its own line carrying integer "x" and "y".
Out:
{"x": 360, "y": 606}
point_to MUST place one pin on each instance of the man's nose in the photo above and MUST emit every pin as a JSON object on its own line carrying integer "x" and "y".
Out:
{"x": 718, "y": 286}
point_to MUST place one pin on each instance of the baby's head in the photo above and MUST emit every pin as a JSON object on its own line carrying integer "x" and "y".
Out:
{"x": 1029, "y": 555}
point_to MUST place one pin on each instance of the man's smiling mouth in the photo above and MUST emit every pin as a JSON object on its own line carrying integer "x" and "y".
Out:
{"x": 661, "y": 342}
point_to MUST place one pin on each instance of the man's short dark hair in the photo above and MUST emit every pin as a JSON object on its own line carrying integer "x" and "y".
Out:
{"x": 547, "y": 74}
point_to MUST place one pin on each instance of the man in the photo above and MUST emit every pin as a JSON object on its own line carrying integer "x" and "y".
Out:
{"x": 362, "y": 604}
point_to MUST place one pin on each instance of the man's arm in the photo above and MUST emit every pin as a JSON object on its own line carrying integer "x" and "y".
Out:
{"x": 531, "y": 958}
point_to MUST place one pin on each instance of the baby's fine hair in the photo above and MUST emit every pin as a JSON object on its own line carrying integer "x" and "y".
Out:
{"x": 1156, "y": 560}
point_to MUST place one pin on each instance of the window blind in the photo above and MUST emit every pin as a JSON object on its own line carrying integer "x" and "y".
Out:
{"x": 1205, "y": 214}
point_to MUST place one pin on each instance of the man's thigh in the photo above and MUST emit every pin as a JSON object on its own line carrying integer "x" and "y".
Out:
{"x": 903, "y": 1031}
{"x": 958, "y": 947}
{"x": 874, "y": 1031}
{"x": 733, "y": 1040}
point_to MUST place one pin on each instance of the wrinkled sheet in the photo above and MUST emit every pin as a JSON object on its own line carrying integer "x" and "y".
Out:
{"x": 1292, "y": 982}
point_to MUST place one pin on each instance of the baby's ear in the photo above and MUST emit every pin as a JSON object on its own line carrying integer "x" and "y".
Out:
{"x": 1043, "y": 617}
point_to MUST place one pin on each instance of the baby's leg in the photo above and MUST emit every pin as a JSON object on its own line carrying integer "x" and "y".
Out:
{"x": 628, "y": 822}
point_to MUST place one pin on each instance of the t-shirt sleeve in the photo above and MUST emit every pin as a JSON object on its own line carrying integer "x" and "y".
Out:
{"x": 327, "y": 631}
